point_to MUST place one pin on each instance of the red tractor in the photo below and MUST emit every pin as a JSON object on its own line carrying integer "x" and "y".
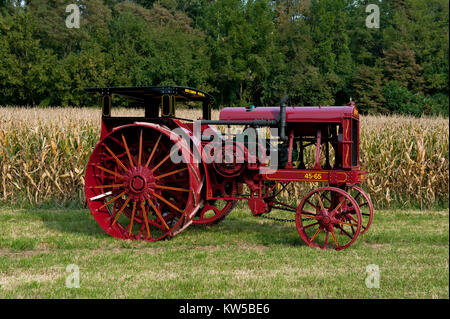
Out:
{"x": 150, "y": 177}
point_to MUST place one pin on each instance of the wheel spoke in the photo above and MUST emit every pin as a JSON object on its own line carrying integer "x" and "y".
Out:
{"x": 334, "y": 239}
{"x": 353, "y": 230}
{"x": 310, "y": 225}
{"x": 349, "y": 210}
{"x": 109, "y": 157}
{"x": 308, "y": 216}
{"x": 164, "y": 160}
{"x": 140, "y": 231}
{"x": 170, "y": 173}
{"x": 326, "y": 240}
{"x": 121, "y": 210}
{"x": 349, "y": 224}
{"x": 140, "y": 149}
{"x": 315, "y": 235}
{"x": 351, "y": 217}
{"x": 172, "y": 188}
{"x": 167, "y": 202}
{"x": 110, "y": 172}
{"x": 338, "y": 206}
{"x": 132, "y": 218}
{"x": 128, "y": 151}
{"x": 329, "y": 200}
{"x": 109, "y": 186}
{"x": 116, "y": 140}
{"x": 144, "y": 212}
{"x": 320, "y": 201}
{"x": 158, "y": 213}
{"x": 153, "y": 151}
{"x": 157, "y": 225}
{"x": 343, "y": 230}
{"x": 116, "y": 158}
{"x": 309, "y": 202}
{"x": 112, "y": 200}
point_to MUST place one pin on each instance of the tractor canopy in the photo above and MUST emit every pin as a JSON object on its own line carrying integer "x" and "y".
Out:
{"x": 155, "y": 97}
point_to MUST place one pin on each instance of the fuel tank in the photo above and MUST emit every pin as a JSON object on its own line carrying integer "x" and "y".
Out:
{"x": 320, "y": 114}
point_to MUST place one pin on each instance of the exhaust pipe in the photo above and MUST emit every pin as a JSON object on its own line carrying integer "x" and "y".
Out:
{"x": 282, "y": 119}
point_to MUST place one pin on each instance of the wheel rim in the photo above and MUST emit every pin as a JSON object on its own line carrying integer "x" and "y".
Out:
{"x": 328, "y": 217}
{"x": 214, "y": 211}
{"x": 365, "y": 205}
{"x": 134, "y": 189}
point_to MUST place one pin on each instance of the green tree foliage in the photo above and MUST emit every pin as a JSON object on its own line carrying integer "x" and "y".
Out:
{"x": 27, "y": 74}
{"x": 400, "y": 65}
{"x": 368, "y": 89}
{"x": 242, "y": 48}
{"x": 331, "y": 51}
{"x": 299, "y": 77}
{"x": 155, "y": 47}
{"x": 242, "y": 51}
{"x": 400, "y": 100}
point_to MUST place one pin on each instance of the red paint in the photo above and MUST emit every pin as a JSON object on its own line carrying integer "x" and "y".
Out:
{"x": 294, "y": 114}
{"x": 199, "y": 188}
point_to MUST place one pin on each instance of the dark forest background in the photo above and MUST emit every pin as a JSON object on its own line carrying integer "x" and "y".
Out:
{"x": 243, "y": 52}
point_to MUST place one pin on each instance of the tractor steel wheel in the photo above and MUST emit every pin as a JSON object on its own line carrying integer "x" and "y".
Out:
{"x": 142, "y": 184}
{"x": 364, "y": 203}
{"x": 328, "y": 212}
{"x": 214, "y": 211}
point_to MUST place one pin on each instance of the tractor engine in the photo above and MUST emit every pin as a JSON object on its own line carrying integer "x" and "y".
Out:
{"x": 230, "y": 160}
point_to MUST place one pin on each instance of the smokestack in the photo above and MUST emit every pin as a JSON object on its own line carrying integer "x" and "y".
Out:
{"x": 282, "y": 119}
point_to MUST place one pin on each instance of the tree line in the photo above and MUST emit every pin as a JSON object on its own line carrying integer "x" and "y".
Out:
{"x": 241, "y": 51}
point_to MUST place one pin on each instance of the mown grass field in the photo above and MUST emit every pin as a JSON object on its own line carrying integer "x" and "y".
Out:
{"x": 243, "y": 257}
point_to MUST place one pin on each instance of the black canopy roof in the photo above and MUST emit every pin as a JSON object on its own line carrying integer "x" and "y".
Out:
{"x": 146, "y": 93}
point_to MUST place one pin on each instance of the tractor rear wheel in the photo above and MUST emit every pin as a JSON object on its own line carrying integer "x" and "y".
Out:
{"x": 142, "y": 184}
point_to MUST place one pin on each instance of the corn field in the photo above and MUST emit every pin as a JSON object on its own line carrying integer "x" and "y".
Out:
{"x": 43, "y": 153}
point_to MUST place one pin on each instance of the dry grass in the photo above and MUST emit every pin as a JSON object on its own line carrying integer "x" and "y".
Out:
{"x": 43, "y": 153}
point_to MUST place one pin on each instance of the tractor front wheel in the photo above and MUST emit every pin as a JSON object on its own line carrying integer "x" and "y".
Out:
{"x": 328, "y": 217}
{"x": 364, "y": 203}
